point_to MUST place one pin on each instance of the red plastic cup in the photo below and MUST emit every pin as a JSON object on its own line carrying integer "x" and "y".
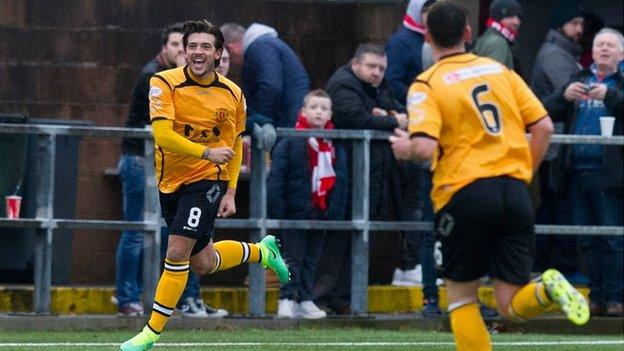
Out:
{"x": 13, "y": 205}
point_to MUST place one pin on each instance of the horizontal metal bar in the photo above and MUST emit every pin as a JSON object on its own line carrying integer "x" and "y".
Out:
{"x": 578, "y": 230}
{"x": 112, "y": 132}
{"x": 106, "y": 224}
{"x": 291, "y": 224}
{"x": 379, "y": 135}
{"x": 85, "y": 131}
{"x": 21, "y": 223}
{"x": 586, "y": 139}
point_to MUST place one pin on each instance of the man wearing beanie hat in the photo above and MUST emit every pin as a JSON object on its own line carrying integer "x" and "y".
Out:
{"x": 503, "y": 25}
{"x": 556, "y": 62}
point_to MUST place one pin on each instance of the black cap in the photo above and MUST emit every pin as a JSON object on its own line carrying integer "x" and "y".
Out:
{"x": 564, "y": 12}
{"x": 500, "y": 9}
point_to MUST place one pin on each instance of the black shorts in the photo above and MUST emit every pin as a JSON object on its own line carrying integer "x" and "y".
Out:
{"x": 486, "y": 228}
{"x": 191, "y": 210}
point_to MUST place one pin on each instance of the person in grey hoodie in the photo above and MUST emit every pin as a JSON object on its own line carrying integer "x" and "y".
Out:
{"x": 273, "y": 78}
{"x": 556, "y": 62}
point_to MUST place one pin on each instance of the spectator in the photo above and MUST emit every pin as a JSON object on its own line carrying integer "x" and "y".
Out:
{"x": 362, "y": 99}
{"x": 274, "y": 79}
{"x": 592, "y": 24}
{"x": 406, "y": 55}
{"x": 427, "y": 54}
{"x": 404, "y": 50}
{"x": 224, "y": 65}
{"x": 308, "y": 180}
{"x": 555, "y": 63}
{"x": 593, "y": 173}
{"x": 502, "y": 30}
{"x": 131, "y": 171}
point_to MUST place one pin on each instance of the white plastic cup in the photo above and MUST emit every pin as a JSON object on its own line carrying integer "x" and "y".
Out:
{"x": 13, "y": 204}
{"x": 606, "y": 125}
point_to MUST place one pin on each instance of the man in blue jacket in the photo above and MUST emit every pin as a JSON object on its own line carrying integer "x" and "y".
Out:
{"x": 592, "y": 174}
{"x": 273, "y": 78}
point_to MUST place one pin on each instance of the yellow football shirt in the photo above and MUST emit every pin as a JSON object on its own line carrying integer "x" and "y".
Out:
{"x": 478, "y": 110}
{"x": 210, "y": 113}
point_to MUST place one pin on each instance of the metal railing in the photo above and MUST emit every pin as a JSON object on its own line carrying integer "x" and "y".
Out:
{"x": 360, "y": 225}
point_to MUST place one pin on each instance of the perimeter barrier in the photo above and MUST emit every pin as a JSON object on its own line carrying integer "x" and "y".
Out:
{"x": 45, "y": 224}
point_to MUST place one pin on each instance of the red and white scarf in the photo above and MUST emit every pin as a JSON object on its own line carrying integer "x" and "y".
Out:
{"x": 322, "y": 156}
{"x": 508, "y": 34}
{"x": 411, "y": 24}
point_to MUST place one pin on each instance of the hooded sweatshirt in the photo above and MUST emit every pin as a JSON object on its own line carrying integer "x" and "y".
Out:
{"x": 274, "y": 79}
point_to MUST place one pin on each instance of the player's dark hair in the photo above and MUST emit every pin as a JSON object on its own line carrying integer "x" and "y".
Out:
{"x": 172, "y": 28}
{"x": 427, "y": 6}
{"x": 446, "y": 23}
{"x": 203, "y": 26}
{"x": 368, "y": 48}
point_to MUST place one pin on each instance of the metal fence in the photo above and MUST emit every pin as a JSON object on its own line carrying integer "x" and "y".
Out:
{"x": 258, "y": 224}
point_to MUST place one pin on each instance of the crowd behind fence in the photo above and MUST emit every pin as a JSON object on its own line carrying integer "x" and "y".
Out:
{"x": 359, "y": 226}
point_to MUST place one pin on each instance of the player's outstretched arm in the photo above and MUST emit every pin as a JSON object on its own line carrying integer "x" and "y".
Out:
{"x": 412, "y": 149}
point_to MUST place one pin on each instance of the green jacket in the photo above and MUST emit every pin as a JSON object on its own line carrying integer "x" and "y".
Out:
{"x": 493, "y": 45}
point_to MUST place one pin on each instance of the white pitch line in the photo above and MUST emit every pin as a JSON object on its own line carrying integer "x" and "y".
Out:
{"x": 369, "y": 343}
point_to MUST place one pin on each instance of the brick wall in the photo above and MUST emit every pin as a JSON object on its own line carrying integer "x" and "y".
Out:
{"x": 78, "y": 60}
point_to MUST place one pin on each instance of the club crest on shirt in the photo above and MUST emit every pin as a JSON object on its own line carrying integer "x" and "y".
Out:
{"x": 221, "y": 115}
{"x": 155, "y": 92}
{"x": 416, "y": 98}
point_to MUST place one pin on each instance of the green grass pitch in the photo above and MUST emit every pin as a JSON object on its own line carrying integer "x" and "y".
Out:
{"x": 299, "y": 340}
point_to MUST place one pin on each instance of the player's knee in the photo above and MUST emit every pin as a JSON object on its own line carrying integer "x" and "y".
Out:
{"x": 177, "y": 254}
{"x": 202, "y": 269}
{"x": 503, "y": 309}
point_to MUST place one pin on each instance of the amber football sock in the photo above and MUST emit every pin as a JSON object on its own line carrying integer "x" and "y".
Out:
{"x": 529, "y": 302}
{"x": 469, "y": 329}
{"x": 232, "y": 253}
{"x": 170, "y": 288}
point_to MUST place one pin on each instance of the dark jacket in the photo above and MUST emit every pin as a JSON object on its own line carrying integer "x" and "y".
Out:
{"x": 274, "y": 81}
{"x": 352, "y": 103}
{"x": 138, "y": 115}
{"x": 556, "y": 62}
{"x": 404, "y": 51}
{"x": 289, "y": 188}
{"x": 562, "y": 110}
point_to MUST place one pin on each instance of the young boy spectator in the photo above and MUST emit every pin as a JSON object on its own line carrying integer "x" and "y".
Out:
{"x": 308, "y": 180}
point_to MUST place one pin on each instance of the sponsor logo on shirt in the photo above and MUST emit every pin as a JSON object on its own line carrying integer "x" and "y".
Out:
{"x": 472, "y": 72}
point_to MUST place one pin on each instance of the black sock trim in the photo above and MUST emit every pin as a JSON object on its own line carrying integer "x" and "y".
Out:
{"x": 152, "y": 329}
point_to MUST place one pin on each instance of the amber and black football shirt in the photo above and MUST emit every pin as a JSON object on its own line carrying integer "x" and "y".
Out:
{"x": 210, "y": 113}
{"x": 478, "y": 110}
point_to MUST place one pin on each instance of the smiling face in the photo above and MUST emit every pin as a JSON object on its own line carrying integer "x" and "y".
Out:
{"x": 607, "y": 51}
{"x": 201, "y": 53}
{"x": 317, "y": 111}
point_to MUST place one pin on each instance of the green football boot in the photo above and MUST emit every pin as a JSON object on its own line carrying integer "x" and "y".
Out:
{"x": 571, "y": 302}
{"x": 143, "y": 341}
{"x": 271, "y": 258}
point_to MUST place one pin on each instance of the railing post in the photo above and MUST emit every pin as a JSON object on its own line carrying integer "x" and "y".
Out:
{"x": 151, "y": 238}
{"x": 45, "y": 211}
{"x": 360, "y": 211}
{"x": 258, "y": 211}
